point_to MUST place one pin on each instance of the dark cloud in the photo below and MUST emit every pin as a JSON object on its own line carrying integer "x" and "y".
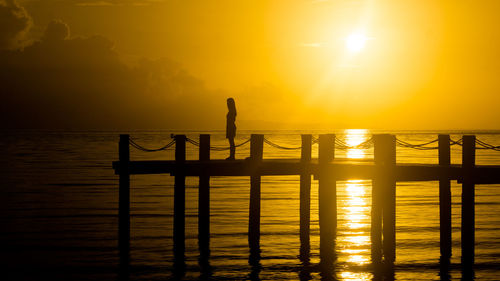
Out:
{"x": 82, "y": 83}
{"x": 14, "y": 23}
{"x": 57, "y": 30}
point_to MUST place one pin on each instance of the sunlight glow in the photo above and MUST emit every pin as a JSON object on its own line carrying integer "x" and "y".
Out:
{"x": 355, "y": 137}
{"x": 355, "y": 42}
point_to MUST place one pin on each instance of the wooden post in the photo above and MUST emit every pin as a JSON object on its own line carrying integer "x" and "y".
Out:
{"x": 384, "y": 188}
{"x": 305, "y": 196}
{"x": 468, "y": 204}
{"x": 204, "y": 199}
{"x": 444, "y": 199}
{"x": 179, "y": 198}
{"x": 327, "y": 196}
{"x": 376, "y": 212}
{"x": 124, "y": 203}
{"x": 256, "y": 153}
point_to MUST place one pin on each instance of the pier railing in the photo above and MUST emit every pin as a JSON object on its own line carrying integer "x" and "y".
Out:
{"x": 383, "y": 170}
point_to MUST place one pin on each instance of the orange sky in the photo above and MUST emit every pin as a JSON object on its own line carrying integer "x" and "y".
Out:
{"x": 425, "y": 65}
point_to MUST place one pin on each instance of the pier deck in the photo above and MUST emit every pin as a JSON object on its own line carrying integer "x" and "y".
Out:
{"x": 383, "y": 170}
{"x": 340, "y": 169}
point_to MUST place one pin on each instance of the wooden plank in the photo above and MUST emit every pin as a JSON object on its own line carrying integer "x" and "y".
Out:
{"x": 468, "y": 202}
{"x": 327, "y": 195}
{"x": 305, "y": 197}
{"x": 444, "y": 199}
{"x": 481, "y": 174}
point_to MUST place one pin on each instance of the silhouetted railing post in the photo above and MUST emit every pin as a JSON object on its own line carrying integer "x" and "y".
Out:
{"x": 444, "y": 198}
{"x": 204, "y": 199}
{"x": 179, "y": 198}
{"x": 327, "y": 196}
{"x": 384, "y": 188}
{"x": 124, "y": 203}
{"x": 256, "y": 153}
{"x": 305, "y": 195}
{"x": 376, "y": 212}
{"x": 468, "y": 204}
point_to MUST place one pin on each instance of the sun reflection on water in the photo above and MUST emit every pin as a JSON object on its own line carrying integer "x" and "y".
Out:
{"x": 355, "y": 209}
{"x": 363, "y": 276}
{"x": 355, "y": 240}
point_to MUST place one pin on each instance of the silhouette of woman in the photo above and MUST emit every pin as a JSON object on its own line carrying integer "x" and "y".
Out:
{"x": 231, "y": 127}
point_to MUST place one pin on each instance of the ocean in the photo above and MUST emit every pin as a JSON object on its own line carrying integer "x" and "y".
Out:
{"x": 59, "y": 213}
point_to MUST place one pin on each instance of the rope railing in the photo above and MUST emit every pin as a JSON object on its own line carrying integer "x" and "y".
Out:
{"x": 218, "y": 148}
{"x": 457, "y": 142}
{"x": 421, "y": 146}
{"x": 483, "y": 145}
{"x": 142, "y": 148}
{"x": 424, "y": 146}
{"x": 281, "y": 146}
{"x": 339, "y": 143}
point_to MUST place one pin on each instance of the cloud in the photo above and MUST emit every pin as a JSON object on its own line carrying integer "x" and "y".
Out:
{"x": 60, "y": 82}
{"x": 14, "y": 23}
{"x": 95, "y": 4}
{"x": 117, "y": 3}
{"x": 57, "y": 30}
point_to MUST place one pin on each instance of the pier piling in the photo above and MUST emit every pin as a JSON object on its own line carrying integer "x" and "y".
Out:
{"x": 444, "y": 198}
{"x": 124, "y": 201}
{"x": 256, "y": 153}
{"x": 468, "y": 200}
{"x": 305, "y": 195}
{"x": 204, "y": 199}
{"x": 384, "y": 188}
{"x": 327, "y": 196}
{"x": 376, "y": 211}
{"x": 179, "y": 198}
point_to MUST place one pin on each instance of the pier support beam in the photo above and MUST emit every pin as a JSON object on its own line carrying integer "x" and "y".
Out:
{"x": 384, "y": 195}
{"x": 124, "y": 205}
{"x": 468, "y": 200}
{"x": 179, "y": 199}
{"x": 444, "y": 199}
{"x": 327, "y": 195}
{"x": 204, "y": 200}
{"x": 256, "y": 153}
{"x": 305, "y": 197}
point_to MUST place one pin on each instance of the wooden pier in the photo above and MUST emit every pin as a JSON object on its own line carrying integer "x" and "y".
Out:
{"x": 383, "y": 170}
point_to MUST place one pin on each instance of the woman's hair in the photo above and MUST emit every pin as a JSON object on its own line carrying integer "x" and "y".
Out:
{"x": 231, "y": 105}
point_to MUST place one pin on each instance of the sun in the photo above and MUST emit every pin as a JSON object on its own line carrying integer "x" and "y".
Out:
{"x": 355, "y": 42}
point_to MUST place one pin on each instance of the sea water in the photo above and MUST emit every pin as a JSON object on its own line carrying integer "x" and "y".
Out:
{"x": 59, "y": 213}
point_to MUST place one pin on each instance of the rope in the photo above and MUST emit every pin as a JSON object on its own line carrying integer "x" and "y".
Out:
{"x": 424, "y": 146}
{"x": 483, "y": 145}
{"x": 217, "y": 148}
{"x": 139, "y": 147}
{"x": 421, "y": 146}
{"x": 340, "y": 144}
{"x": 457, "y": 142}
{"x": 280, "y": 146}
{"x": 243, "y": 143}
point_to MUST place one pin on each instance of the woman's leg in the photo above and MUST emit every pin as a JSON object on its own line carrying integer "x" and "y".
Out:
{"x": 232, "y": 148}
